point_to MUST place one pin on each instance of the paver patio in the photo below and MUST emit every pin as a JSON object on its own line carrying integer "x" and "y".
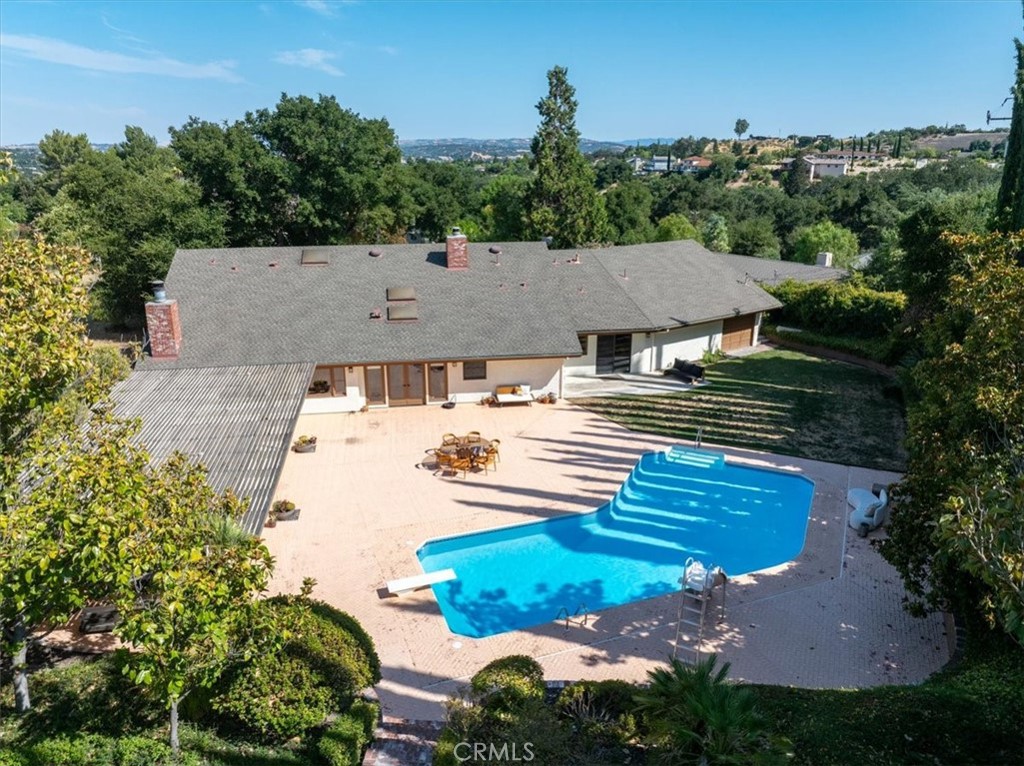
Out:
{"x": 370, "y": 497}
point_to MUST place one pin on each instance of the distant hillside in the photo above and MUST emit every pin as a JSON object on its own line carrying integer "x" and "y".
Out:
{"x": 961, "y": 141}
{"x": 485, "y": 148}
{"x": 26, "y": 156}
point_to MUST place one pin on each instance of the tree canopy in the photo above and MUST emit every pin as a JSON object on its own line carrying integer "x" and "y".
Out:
{"x": 1010, "y": 203}
{"x": 822, "y": 237}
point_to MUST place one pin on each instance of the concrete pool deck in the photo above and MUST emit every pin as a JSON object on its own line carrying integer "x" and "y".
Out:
{"x": 370, "y": 496}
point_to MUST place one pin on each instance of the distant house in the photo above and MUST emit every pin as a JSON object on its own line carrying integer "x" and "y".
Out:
{"x": 694, "y": 164}
{"x": 244, "y": 340}
{"x": 821, "y": 167}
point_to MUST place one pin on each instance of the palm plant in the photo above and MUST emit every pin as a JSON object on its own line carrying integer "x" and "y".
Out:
{"x": 697, "y": 717}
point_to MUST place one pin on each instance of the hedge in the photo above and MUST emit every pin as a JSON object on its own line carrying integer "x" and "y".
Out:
{"x": 838, "y": 308}
{"x": 508, "y": 682}
{"x": 345, "y": 739}
{"x": 327, "y": 659}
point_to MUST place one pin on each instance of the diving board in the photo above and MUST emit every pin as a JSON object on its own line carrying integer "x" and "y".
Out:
{"x": 407, "y": 584}
{"x": 695, "y": 457}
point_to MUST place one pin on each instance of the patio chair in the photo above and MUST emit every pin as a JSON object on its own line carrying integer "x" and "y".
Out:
{"x": 443, "y": 460}
{"x": 485, "y": 459}
{"x": 447, "y": 439}
{"x": 493, "y": 448}
{"x": 462, "y": 461}
{"x": 472, "y": 436}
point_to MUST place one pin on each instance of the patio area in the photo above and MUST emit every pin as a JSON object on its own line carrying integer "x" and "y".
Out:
{"x": 370, "y": 496}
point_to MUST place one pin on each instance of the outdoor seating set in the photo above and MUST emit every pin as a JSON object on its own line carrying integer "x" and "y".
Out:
{"x": 466, "y": 453}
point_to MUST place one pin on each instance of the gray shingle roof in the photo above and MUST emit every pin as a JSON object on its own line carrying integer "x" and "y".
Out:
{"x": 261, "y": 306}
{"x": 237, "y": 421}
{"x": 674, "y": 283}
{"x": 236, "y": 308}
{"x": 768, "y": 272}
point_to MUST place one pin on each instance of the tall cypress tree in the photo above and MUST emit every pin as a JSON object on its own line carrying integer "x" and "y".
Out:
{"x": 1010, "y": 202}
{"x": 563, "y": 201}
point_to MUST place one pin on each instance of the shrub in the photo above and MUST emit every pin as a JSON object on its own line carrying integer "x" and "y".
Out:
{"x": 839, "y": 308}
{"x": 345, "y": 739}
{"x": 508, "y": 682}
{"x": 13, "y": 758}
{"x": 140, "y": 751}
{"x": 326, "y": 659}
{"x": 72, "y": 751}
{"x": 601, "y": 715}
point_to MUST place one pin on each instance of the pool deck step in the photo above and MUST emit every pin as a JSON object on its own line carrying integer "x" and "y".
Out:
{"x": 403, "y": 742}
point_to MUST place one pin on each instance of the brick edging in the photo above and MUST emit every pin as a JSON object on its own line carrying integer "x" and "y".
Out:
{"x": 829, "y": 353}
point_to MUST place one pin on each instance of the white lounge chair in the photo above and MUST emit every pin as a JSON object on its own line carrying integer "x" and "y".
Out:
{"x": 870, "y": 511}
{"x": 407, "y": 584}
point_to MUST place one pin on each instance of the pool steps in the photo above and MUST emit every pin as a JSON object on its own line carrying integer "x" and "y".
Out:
{"x": 695, "y": 457}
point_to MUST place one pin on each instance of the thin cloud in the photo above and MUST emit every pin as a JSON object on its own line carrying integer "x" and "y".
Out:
{"x": 69, "y": 54}
{"x": 124, "y": 34}
{"x": 310, "y": 58}
{"x": 317, "y": 6}
{"x": 388, "y": 49}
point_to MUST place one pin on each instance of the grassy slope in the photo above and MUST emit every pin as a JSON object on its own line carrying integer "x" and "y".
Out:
{"x": 778, "y": 401}
{"x": 970, "y": 714}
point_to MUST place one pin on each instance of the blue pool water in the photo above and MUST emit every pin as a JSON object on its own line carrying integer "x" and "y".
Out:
{"x": 671, "y": 506}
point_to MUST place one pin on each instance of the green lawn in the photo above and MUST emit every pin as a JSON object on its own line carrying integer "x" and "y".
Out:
{"x": 778, "y": 401}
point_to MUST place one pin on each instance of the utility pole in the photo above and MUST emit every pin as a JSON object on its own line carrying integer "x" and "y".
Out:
{"x": 989, "y": 119}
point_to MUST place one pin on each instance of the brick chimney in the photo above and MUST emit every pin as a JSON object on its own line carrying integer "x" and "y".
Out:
{"x": 457, "y": 248}
{"x": 163, "y": 324}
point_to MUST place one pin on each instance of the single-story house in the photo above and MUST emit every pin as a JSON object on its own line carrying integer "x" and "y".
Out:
{"x": 252, "y": 337}
{"x": 822, "y": 167}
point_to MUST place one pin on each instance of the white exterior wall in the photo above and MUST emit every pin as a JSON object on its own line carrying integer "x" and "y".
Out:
{"x": 688, "y": 343}
{"x": 541, "y": 375}
{"x": 820, "y": 170}
{"x": 583, "y": 365}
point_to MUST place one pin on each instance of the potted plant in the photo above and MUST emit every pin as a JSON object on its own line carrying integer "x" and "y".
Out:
{"x": 304, "y": 444}
{"x": 284, "y": 510}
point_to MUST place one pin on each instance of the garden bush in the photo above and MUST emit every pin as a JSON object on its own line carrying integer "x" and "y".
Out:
{"x": 600, "y": 714}
{"x": 326, "y": 659}
{"x": 839, "y": 308}
{"x": 140, "y": 751}
{"x": 81, "y": 750}
{"x": 344, "y": 741}
{"x": 508, "y": 682}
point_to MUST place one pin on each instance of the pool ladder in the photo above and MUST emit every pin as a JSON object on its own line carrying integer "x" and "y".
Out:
{"x": 580, "y": 617}
{"x": 693, "y": 610}
{"x": 700, "y": 433}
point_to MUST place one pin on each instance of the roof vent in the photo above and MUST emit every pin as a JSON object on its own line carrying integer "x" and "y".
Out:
{"x": 315, "y": 256}
{"x": 375, "y": 314}
{"x": 159, "y": 291}
{"x": 403, "y": 312}
{"x": 376, "y": 253}
{"x": 494, "y": 250}
{"x": 401, "y": 293}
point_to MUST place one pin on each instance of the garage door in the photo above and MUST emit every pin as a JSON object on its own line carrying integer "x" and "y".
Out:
{"x": 738, "y": 332}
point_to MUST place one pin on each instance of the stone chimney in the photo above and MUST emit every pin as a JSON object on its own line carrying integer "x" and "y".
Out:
{"x": 163, "y": 325}
{"x": 457, "y": 249}
{"x": 825, "y": 259}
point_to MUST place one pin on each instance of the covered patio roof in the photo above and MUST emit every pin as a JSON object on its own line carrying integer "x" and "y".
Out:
{"x": 236, "y": 421}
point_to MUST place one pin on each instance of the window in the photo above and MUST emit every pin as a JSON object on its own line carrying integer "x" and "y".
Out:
{"x": 328, "y": 380}
{"x": 474, "y": 370}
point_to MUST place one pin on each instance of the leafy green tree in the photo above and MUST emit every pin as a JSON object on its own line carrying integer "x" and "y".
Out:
{"x": 629, "y": 212}
{"x": 504, "y": 207}
{"x": 723, "y": 167}
{"x": 62, "y": 486}
{"x": 611, "y": 171}
{"x": 755, "y": 236}
{"x": 740, "y": 127}
{"x": 885, "y": 268}
{"x": 808, "y": 241}
{"x": 716, "y": 234}
{"x": 797, "y": 179}
{"x": 929, "y": 259}
{"x": 443, "y": 193}
{"x": 194, "y": 609}
{"x": 676, "y": 227}
{"x": 958, "y": 522}
{"x": 130, "y": 207}
{"x": 563, "y": 202}
{"x": 1010, "y": 203}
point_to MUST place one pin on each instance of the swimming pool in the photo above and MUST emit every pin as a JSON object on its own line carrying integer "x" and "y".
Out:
{"x": 673, "y": 505}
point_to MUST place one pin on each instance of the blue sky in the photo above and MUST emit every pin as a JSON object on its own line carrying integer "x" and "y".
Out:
{"x": 477, "y": 69}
